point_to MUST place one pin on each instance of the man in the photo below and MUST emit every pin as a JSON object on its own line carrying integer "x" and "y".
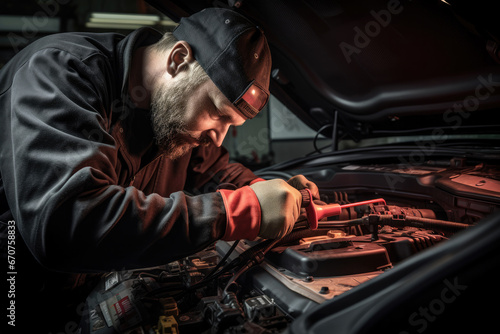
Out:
{"x": 111, "y": 147}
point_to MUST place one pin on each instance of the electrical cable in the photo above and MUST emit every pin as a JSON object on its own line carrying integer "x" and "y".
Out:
{"x": 254, "y": 260}
{"x": 326, "y": 126}
{"x": 223, "y": 260}
{"x": 210, "y": 277}
{"x": 245, "y": 257}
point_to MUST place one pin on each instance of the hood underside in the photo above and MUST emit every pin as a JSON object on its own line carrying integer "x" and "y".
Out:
{"x": 383, "y": 65}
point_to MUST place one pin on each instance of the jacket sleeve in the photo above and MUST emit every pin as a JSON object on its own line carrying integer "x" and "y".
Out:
{"x": 210, "y": 167}
{"x": 58, "y": 166}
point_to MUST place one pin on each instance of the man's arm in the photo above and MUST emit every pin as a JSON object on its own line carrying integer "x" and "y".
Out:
{"x": 58, "y": 166}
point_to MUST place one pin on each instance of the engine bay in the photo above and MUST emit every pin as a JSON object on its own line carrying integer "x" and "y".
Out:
{"x": 261, "y": 286}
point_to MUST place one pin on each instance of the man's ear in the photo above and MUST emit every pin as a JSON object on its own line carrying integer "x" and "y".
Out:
{"x": 179, "y": 58}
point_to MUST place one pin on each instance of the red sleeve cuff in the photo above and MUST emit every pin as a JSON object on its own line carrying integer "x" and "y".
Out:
{"x": 256, "y": 180}
{"x": 242, "y": 214}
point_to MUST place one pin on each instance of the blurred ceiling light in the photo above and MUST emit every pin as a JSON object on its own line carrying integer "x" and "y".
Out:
{"x": 126, "y": 21}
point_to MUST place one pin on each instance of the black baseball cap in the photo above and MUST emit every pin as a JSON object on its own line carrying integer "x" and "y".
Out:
{"x": 233, "y": 52}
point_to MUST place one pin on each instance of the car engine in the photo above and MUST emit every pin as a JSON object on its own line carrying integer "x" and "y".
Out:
{"x": 261, "y": 286}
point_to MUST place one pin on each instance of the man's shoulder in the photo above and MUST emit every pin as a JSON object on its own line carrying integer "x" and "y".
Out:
{"x": 79, "y": 44}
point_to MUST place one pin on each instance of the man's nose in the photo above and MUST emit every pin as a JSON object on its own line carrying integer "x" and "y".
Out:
{"x": 218, "y": 134}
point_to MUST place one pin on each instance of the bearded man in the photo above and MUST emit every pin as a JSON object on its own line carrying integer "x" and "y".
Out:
{"x": 111, "y": 151}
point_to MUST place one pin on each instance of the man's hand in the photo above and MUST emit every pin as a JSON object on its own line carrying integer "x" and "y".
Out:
{"x": 300, "y": 182}
{"x": 280, "y": 207}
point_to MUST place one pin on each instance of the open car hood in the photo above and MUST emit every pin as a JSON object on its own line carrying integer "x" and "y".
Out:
{"x": 382, "y": 65}
{"x": 422, "y": 256}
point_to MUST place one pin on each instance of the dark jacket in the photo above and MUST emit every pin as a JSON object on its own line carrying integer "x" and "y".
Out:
{"x": 80, "y": 174}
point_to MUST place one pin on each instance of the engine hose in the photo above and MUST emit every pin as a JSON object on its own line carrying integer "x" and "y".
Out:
{"x": 392, "y": 220}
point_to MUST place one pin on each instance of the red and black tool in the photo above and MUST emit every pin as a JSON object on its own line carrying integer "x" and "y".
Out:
{"x": 317, "y": 212}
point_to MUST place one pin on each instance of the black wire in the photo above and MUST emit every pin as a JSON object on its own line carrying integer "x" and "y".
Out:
{"x": 326, "y": 126}
{"x": 252, "y": 261}
{"x": 223, "y": 260}
{"x": 246, "y": 256}
{"x": 210, "y": 277}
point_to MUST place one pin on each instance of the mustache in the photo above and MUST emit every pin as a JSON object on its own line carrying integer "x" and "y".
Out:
{"x": 204, "y": 140}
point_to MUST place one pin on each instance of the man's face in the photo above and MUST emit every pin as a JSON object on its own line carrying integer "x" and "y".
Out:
{"x": 186, "y": 115}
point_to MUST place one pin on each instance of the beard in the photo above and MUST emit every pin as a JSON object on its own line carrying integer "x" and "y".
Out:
{"x": 168, "y": 107}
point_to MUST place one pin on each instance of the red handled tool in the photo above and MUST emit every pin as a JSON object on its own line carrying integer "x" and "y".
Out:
{"x": 317, "y": 212}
